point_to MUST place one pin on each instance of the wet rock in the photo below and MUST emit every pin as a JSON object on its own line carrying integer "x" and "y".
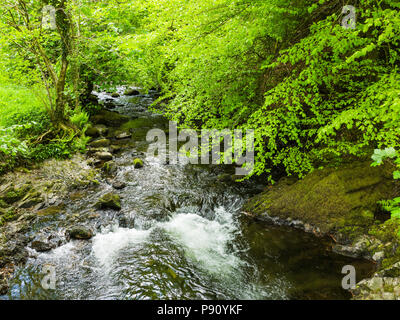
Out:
{"x": 109, "y": 118}
{"x": 138, "y": 163}
{"x": 119, "y": 185}
{"x": 50, "y": 211}
{"x": 126, "y": 221}
{"x": 42, "y": 243}
{"x": 104, "y": 156}
{"x": 96, "y": 131}
{"x": 14, "y": 194}
{"x": 115, "y": 95}
{"x": 131, "y": 92}
{"x": 101, "y": 143}
{"x": 331, "y": 199}
{"x": 123, "y": 135}
{"x": 115, "y": 149}
{"x": 80, "y": 233}
{"x": 110, "y": 167}
{"x": 109, "y": 201}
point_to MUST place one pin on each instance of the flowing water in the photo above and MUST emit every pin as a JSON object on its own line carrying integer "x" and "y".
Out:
{"x": 180, "y": 235}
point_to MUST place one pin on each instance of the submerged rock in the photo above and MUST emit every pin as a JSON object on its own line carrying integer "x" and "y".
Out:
{"x": 109, "y": 201}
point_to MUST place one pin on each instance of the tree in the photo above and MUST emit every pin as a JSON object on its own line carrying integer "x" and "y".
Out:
{"x": 49, "y": 48}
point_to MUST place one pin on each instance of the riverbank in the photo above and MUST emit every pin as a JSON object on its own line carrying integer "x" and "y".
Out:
{"x": 342, "y": 203}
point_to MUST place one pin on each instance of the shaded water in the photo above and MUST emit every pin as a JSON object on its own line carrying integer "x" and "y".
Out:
{"x": 180, "y": 235}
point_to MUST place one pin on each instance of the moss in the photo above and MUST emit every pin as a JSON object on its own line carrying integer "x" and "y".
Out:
{"x": 13, "y": 194}
{"x": 3, "y": 204}
{"x": 109, "y": 118}
{"x": 7, "y": 215}
{"x": 330, "y": 199}
{"x": 109, "y": 201}
{"x": 138, "y": 163}
{"x": 50, "y": 211}
{"x": 137, "y": 123}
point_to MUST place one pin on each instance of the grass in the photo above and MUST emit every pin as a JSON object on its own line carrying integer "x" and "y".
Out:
{"x": 18, "y": 104}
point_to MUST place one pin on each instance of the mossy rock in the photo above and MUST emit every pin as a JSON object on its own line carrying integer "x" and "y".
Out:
{"x": 109, "y": 118}
{"x": 137, "y": 124}
{"x": 131, "y": 92}
{"x": 7, "y": 215}
{"x": 14, "y": 194}
{"x": 329, "y": 198}
{"x": 80, "y": 233}
{"x": 50, "y": 211}
{"x": 138, "y": 163}
{"x": 101, "y": 143}
{"x": 110, "y": 167}
{"x": 109, "y": 201}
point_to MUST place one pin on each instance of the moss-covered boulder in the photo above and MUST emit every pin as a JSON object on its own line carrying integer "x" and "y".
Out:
{"x": 109, "y": 201}
{"x": 329, "y": 199}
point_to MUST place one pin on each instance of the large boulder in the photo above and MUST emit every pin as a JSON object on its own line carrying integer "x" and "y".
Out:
{"x": 328, "y": 199}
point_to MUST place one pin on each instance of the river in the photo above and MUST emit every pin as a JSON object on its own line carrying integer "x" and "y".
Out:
{"x": 180, "y": 235}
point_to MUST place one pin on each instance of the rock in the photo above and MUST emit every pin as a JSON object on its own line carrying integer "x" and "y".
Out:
{"x": 115, "y": 95}
{"x": 110, "y": 167}
{"x": 392, "y": 271}
{"x": 14, "y": 194}
{"x": 96, "y": 131}
{"x": 101, "y": 143}
{"x": 115, "y": 149}
{"x": 131, "y": 92}
{"x": 104, "y": 156}
{"x": 50, "y": 211}
{"x": 138, "y": 163}
{"x": 126, "y": 222}
{"x": 331, "y": 199}
{"x": 109, "y": 118}
{"x": 80, "y": 233}
{"x": 378, "y": 256}
{"x": 109, "y": 201}
{"x": 119, "y": 185}
{"x": 42, "y": 244}
{"x": 374, "y": 284}
{"x": 123, "y": 135}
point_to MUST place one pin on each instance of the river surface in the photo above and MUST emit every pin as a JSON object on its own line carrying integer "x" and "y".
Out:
{"x": 180, "y": 235}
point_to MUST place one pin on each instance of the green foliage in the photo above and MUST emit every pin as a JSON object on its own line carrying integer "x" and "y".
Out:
{"x": 314, "y": 92}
